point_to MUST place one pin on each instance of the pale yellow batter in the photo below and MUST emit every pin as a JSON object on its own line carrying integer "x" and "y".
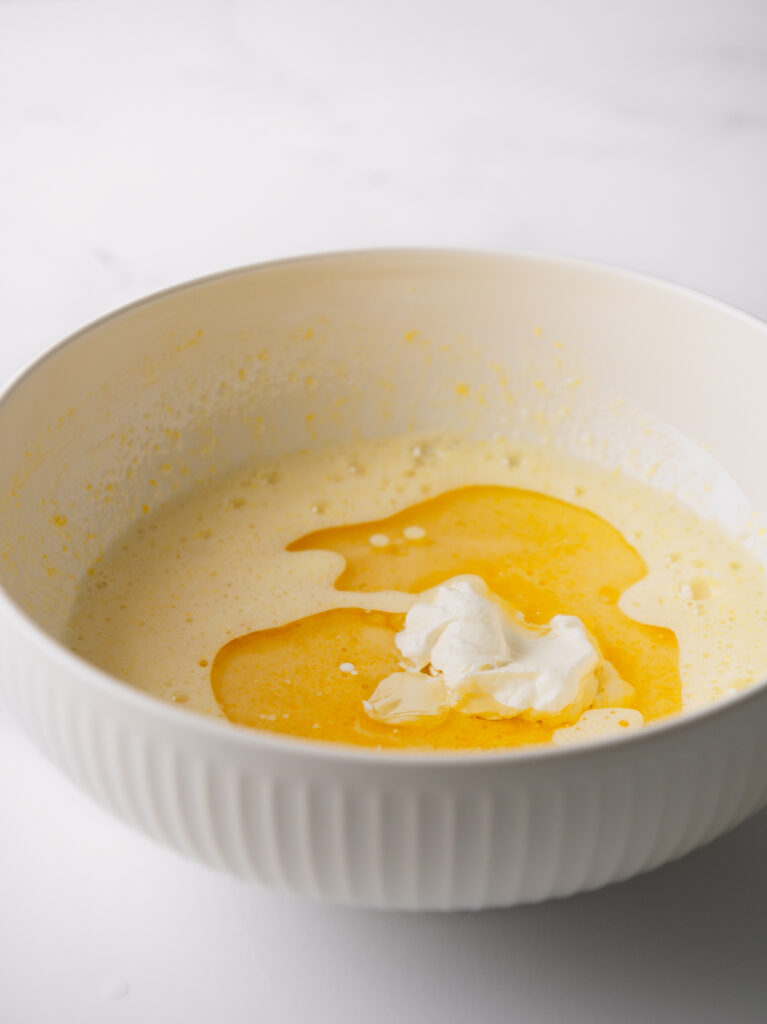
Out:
{"x": 213, "y": 566}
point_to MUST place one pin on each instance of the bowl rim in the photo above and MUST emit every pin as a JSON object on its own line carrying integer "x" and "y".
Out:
{"x": 278, "y": 743}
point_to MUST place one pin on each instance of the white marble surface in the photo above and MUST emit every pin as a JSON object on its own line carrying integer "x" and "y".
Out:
{"x": 145, "y": 143}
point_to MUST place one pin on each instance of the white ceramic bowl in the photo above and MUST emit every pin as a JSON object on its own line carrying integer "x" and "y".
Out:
{"x": 210, "y": 373}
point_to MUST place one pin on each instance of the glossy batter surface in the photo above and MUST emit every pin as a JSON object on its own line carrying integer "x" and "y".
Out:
{"x": 281, "y": 551}
{"x": 542, "y": 555}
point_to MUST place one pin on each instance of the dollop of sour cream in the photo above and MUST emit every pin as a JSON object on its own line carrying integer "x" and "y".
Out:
{"x": 463, "y": 648}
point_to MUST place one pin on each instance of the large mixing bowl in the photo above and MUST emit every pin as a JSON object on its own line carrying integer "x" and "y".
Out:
{"x": 252, "y": 363}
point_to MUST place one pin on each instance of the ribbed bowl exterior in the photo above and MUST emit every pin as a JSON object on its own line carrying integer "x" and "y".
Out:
{"x": 442, "y": 833}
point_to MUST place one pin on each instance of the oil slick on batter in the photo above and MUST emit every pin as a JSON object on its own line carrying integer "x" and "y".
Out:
{"x": 543, "y": 556}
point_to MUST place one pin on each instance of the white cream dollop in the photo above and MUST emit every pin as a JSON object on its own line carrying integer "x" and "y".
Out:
{"x": 461, "y": 647}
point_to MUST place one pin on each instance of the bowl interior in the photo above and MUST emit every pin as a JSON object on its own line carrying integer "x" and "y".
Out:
{"x": 608, "y": 366}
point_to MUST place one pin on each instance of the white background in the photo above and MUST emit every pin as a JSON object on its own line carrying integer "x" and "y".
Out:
{"x": 141, "y": 144}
